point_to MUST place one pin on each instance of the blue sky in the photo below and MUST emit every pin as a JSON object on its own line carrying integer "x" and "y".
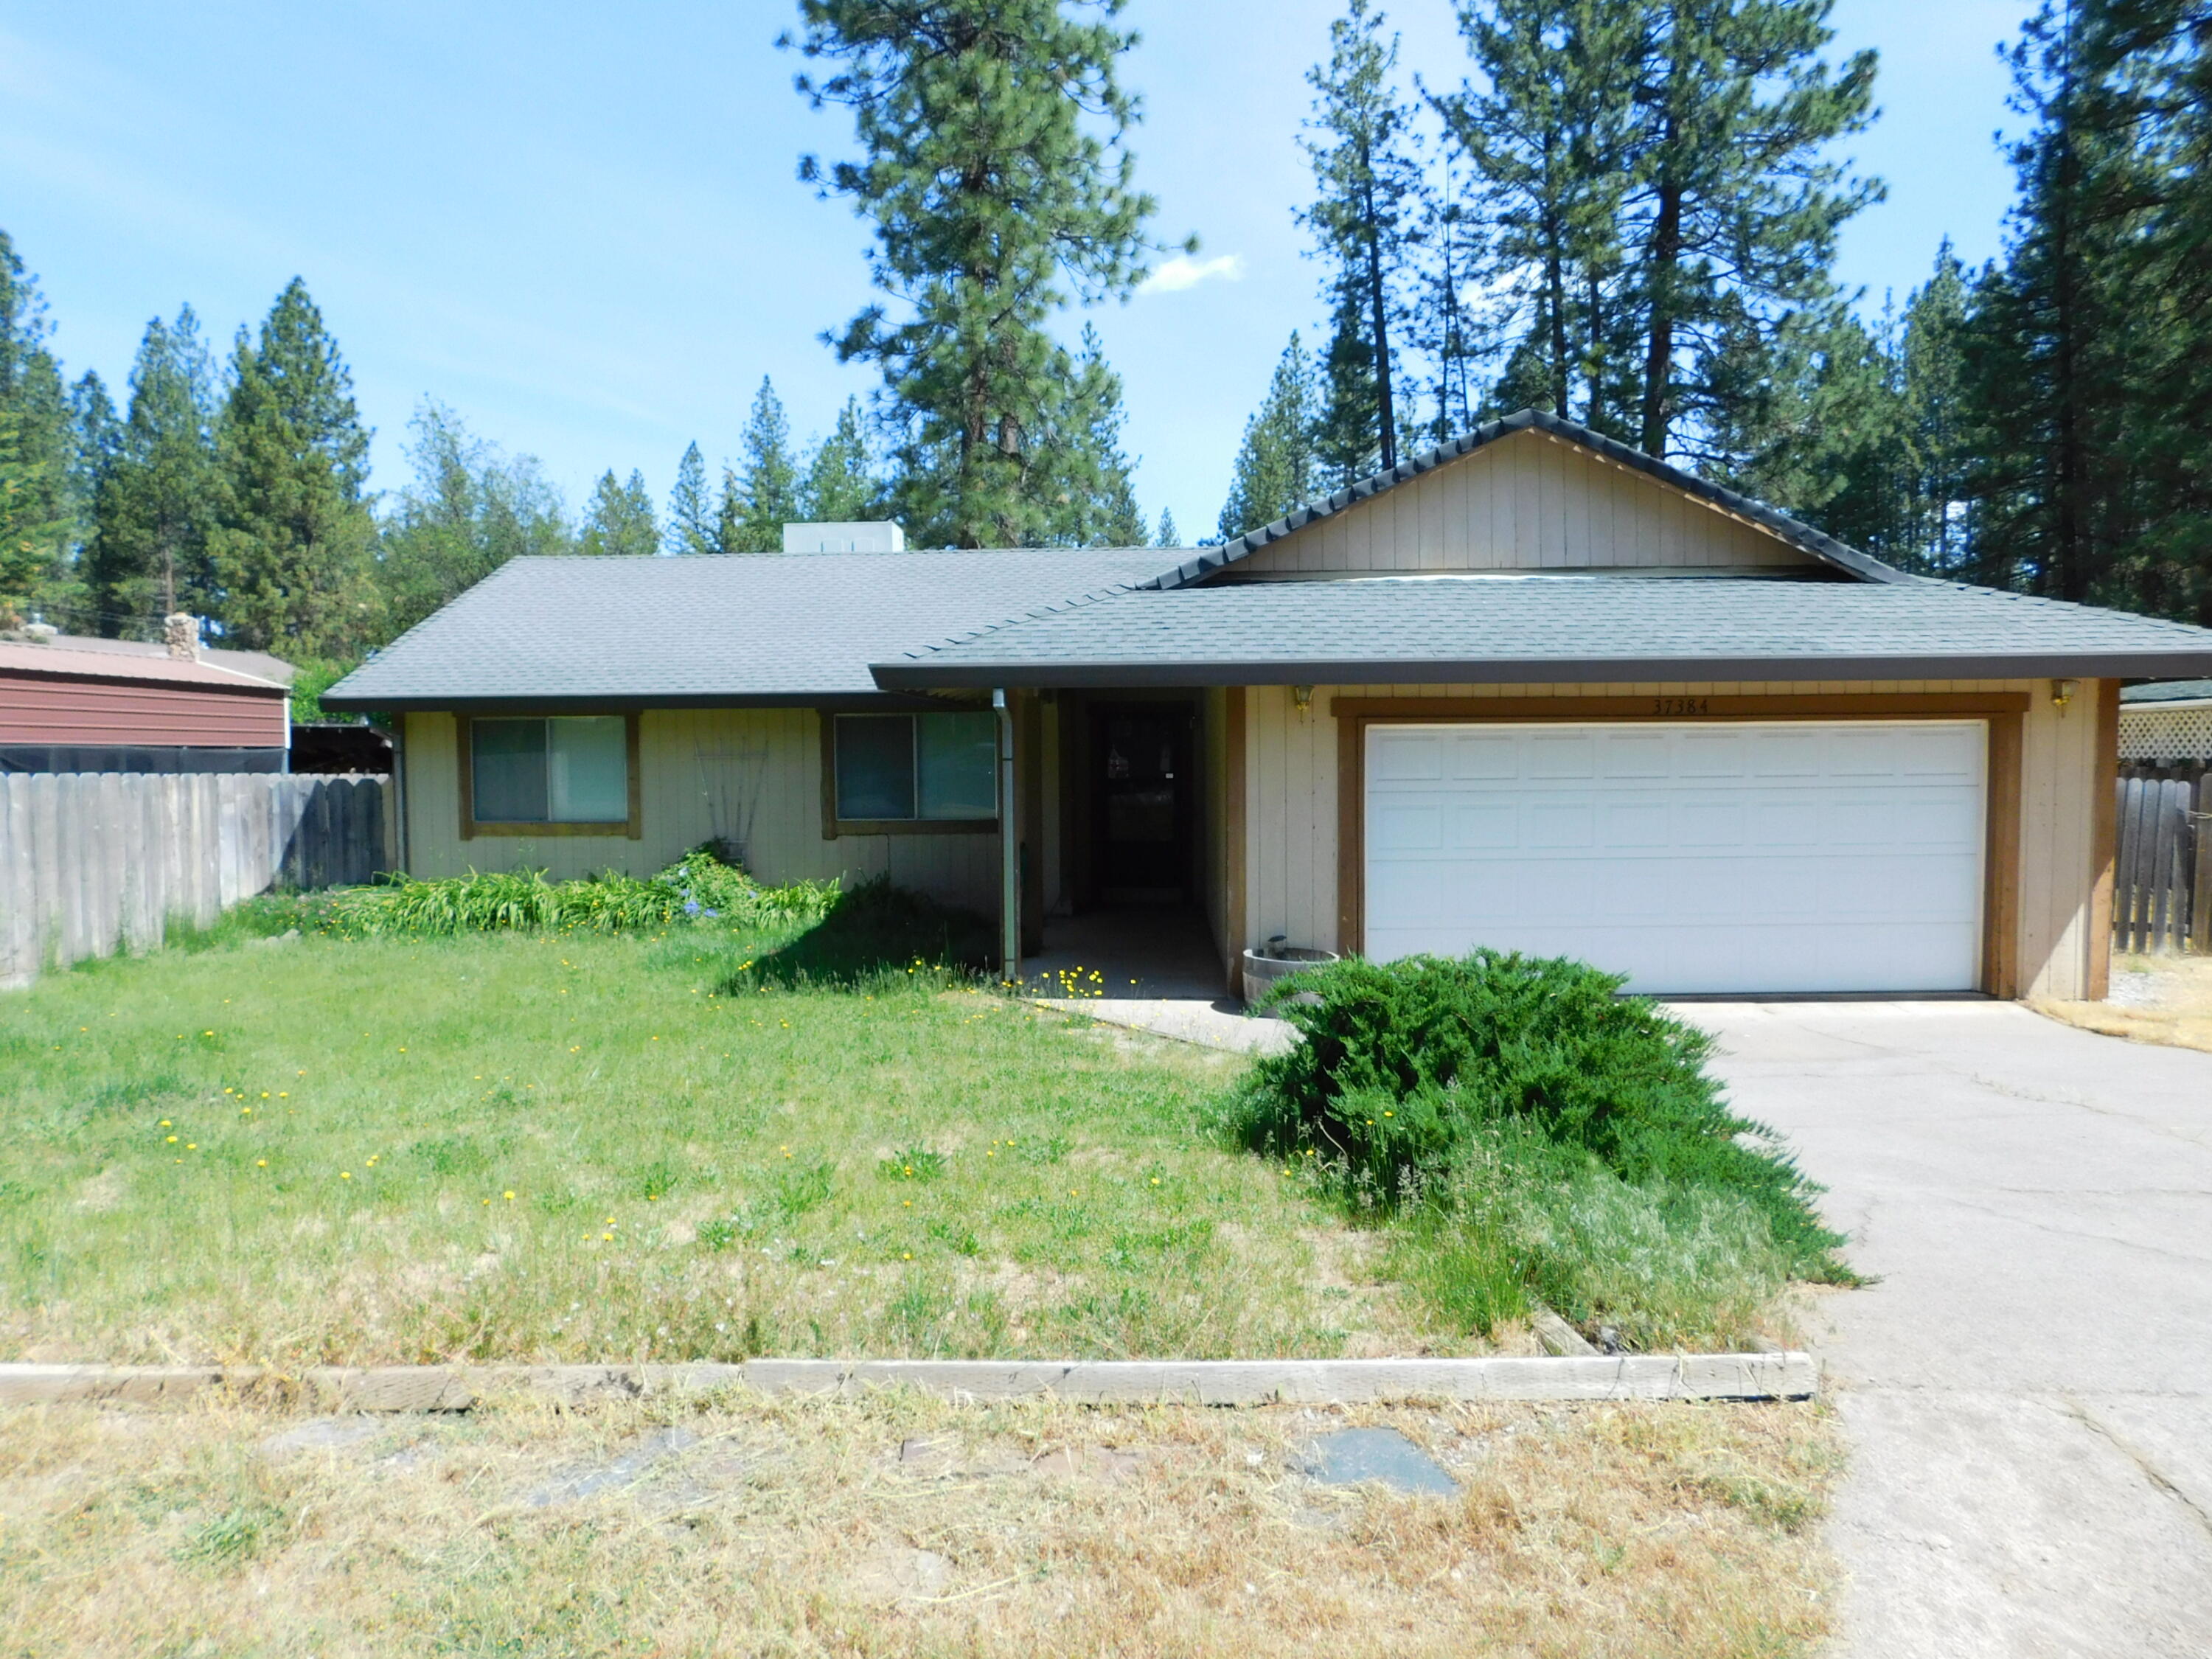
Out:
{"x": 580, "y": 225}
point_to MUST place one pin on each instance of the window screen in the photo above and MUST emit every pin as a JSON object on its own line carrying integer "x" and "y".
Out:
{"x": 899, "y": 767}
{"x": 567, "y": 770}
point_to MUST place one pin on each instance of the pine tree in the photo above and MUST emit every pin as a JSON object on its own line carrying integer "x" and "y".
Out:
{"x": 1938, "y": 485}
{"x": 691, "y": 526}
{"x": 37, "y": 522}
{"x": 1276, "y": 468}
{"x": 842, "y": 487}
{"x": 768, "y": 479}
{"x": 468, "y": 509}
{"x": 1545, "y": 137}
{"x": 294, "y": 549}
{"x": 994, "y": 175}
{"x": 730, "y": 514}
{"x": 155, "y": 509}
{"x": 619, "y": 521}
{"x": 1363, "y": 222}
{"x": 1732, "y": 211}
{"x": 1169, "y": 535}
{"x": 1080, "y": 467}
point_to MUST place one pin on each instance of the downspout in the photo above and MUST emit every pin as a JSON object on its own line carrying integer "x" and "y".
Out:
{"x": 1010, "y": 847}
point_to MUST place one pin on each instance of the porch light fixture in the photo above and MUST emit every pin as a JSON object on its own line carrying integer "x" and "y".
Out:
{"x": 1303, "y": 696}
{"x": 2061, "y": 693}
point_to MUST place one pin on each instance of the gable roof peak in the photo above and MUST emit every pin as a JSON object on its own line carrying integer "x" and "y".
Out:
{"x": 1819, "y": 545}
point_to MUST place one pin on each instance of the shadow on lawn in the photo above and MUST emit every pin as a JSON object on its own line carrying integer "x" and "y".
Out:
{"x": 875, "y": 932}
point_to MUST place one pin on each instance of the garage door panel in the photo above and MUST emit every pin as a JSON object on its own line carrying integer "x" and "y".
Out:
{"x": 1786, "y": 856}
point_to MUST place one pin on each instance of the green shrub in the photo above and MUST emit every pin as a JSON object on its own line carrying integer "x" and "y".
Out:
{"x": 697, "y": 888}
{"x": 1536, "y": 1133}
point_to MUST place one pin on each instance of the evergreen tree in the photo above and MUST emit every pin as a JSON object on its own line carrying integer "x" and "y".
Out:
{"x": 1544, "y": 136}
{"x": 842, "y": 487}
{"x": 37, "y": 521}
{"x": 1441, "y": 327}
{"x": 1938, "y": 437}
{"x": 1363, "y": 222}
{"x": 154, "y": 507}
{"x": 619, "y": 520}
{"x": 691, "y": 520}
{"x": 1732, "y": 212}
{"x": 1276, "y": 468}
{"x": 468, "y": 510}
{"x": 1169, "y": 535}
{"x": 730, "y": 514}
{"x": 994, "y": 175}
{"x": 294, "y": 549}
{"x": 1080, "y": 468}
{"x": 768, "y": 479}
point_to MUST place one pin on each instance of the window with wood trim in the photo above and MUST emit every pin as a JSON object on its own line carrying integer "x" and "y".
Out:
{"x": 921, "y": 769}
{"x": 561, "y": 774}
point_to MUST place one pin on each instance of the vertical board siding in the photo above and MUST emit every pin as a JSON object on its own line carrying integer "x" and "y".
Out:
{"x": 1529, "y": 501}
{"x": 749, "y": 777}
{"x": 93, "y": 863}
{"x": 1291, "y": 832}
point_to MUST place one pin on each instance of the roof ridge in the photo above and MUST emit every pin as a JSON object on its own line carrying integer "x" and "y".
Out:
{"x": 1056, "y": 607}
{"x": 1819, "y": 543}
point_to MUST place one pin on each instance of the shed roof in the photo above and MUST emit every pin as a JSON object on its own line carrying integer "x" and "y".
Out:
{"x": 763, "y": 628}
{"x": 1539, "y": 627}
{"x": 2168, "y": 692}
{"x": 69, "y": 659}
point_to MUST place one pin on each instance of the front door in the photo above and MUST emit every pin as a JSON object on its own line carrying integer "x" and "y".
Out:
{"x": 1144, "y": 791}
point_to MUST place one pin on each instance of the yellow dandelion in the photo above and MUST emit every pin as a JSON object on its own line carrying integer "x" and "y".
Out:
{"x": 260, "y": 1163}
{"x": 173, "y": 1140}
{"x": 510, "y": 1198}
{"x": 345, "y": 1175}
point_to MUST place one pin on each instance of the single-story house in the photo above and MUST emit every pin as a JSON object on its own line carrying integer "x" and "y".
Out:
{"x": 1531, "y": 689}
{"x": 68, "y": 703}
{"x": 2167, "y": 721}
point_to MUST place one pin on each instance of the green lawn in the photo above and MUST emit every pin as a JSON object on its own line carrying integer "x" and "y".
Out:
{"x": 317, "y": 1150}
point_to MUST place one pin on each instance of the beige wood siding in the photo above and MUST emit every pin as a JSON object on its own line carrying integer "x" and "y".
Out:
{"x": 1529, "y": 501}
{"x": 1292, "y": 785}
{"x": 752, "y": 776}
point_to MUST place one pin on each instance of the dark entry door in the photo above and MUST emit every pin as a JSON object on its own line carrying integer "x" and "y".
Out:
{"x": 1145, "y": 787}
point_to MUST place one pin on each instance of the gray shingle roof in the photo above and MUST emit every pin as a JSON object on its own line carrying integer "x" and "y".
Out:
{"x": 2168, "y": 692}
{"x": 763, "y": 627}
{"x": 1616, "y": 629}
{"x": 1205, "y": 562}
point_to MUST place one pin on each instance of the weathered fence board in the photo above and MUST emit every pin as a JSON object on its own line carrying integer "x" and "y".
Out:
{"x": 2162, "y": 874}
{"x": 91, "y": 863}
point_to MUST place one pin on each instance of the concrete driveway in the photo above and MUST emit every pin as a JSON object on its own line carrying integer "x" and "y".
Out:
{"x": 2028, "y": 1389}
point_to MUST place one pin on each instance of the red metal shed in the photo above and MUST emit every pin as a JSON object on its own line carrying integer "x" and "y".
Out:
{"x": 70, "y": 705}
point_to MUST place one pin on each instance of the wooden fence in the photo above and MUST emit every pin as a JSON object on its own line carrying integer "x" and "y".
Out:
{"x": 92, "y": 863}
{"x": 2162, "y": 882}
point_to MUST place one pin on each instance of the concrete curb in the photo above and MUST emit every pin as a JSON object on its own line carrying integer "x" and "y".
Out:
{"x": 1191, "y": 1382}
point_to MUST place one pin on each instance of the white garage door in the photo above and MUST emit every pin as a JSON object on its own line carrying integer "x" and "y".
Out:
{"x": 1787, "y": 856}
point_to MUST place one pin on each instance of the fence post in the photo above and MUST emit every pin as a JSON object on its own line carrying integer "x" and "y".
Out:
{"x": 2201, "y": 929}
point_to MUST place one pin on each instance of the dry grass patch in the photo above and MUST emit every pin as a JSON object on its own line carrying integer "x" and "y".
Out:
{"x": 898, "y": 1524}
{"x": 2164, "y": 1000}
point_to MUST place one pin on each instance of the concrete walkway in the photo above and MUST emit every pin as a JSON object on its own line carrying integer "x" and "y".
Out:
{"x": 2029, "y": 1389}
{"x": 1151, "y": 970}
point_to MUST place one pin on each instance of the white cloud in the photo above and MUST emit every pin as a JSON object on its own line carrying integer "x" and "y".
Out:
{"x": 1182, "y": 271}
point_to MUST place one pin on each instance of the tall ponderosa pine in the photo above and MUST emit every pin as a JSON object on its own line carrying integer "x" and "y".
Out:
{"x": 1081, "y": 469}
{"x": 691, "y": 521}
{"x": 155, "y": 506}
{"x": 294, "y": 548}
{"x": 619, "y": 519}
{"x": 1938, "y": 431}
{"x": 1363, "y": 220}
{"x": 1169, "y": 535}
{"x": 842, "y": 486}
{"x": 1544, "y": 138}
{"x": 37, "y": 516}
{"x": 1276, "y": 468}
{"x": 2086, "y": 349}
{"x": 768, "y": 478}
{"x": 468, "y": 509}
{"x": 993, "y": 172}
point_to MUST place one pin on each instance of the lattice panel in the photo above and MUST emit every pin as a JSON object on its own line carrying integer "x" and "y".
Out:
{"x": 2166, "y": 734}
